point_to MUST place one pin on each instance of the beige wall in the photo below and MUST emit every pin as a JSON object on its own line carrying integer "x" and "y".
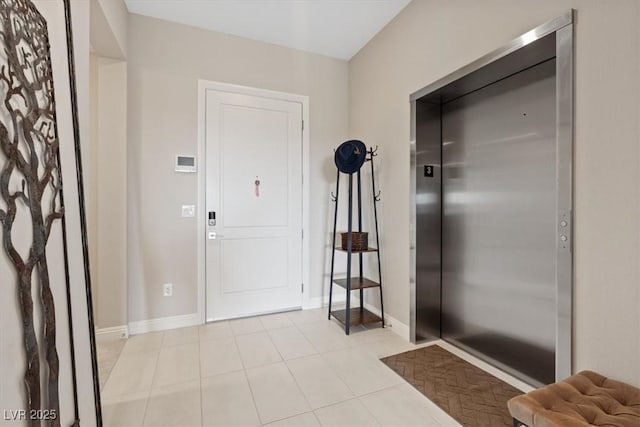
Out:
{"x": 108, "y": 28}
{"x": 111, "y": 194}
{"x": 165, "y": 62}
{"x": 430, "y": 39}
{"x": 105, "y": 162}
{"x": 90, "y": 168}
{"x": 116, "y": 15}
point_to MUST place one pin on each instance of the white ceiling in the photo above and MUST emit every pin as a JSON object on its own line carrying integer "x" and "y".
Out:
{"x": 336, "y": 28}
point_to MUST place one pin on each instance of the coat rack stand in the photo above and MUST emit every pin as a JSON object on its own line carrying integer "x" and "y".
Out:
{"x": 356, "y": 316}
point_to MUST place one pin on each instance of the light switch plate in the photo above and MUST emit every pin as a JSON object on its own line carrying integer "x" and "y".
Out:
{"x": 188, "y": 211}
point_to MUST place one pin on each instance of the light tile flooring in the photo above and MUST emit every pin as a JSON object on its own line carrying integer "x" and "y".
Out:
{"x": 288, "y": 369}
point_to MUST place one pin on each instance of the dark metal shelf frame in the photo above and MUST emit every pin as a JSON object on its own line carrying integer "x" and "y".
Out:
{"x": 356, "y": 316}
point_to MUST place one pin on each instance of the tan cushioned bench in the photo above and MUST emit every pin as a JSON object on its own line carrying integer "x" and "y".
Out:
{"x": 584, "y": 399}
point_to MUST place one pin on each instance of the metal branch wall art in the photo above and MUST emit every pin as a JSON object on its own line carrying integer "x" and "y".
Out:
{"x": 30, "y": 191}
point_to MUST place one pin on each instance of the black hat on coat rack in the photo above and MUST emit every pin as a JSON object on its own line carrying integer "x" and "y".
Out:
{"x": 350, "y": 156}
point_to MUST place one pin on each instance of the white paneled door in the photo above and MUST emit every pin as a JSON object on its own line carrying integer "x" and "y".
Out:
{"x": 254, "y": 186}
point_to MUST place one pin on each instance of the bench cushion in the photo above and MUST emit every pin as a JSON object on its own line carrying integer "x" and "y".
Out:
{"x": 584, "y": 399}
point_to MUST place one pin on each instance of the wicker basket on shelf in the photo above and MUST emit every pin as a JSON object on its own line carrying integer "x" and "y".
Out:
{"x": 359, "y": 241}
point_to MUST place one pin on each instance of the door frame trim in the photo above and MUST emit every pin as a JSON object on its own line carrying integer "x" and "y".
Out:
{"x": 203, "y": 86}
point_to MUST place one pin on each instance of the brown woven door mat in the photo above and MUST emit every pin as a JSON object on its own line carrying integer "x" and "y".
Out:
{"x": 470, "y": 395}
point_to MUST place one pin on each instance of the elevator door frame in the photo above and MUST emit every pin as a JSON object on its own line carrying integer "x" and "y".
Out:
{"x": 517, "y": 55}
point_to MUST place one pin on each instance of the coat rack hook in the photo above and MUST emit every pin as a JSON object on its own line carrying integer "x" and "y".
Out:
{"x": 377, "y": 197}
{"x": 333, "y": 197}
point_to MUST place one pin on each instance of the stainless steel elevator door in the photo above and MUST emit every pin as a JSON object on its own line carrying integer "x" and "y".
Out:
{"x": 499, "y": 222}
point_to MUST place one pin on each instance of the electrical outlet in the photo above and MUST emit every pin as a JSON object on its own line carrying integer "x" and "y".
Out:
{"x": 167, "y": 289}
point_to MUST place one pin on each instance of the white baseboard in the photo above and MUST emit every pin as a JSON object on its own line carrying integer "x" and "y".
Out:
{"x": 113, "y": 332}
{"x": 163, "y": 323}
{"x": 322, "y": 301}
{"x": 391, "y": 322}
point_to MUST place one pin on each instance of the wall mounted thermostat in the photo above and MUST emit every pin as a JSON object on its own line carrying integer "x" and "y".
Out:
{"x": 186, "y": 164}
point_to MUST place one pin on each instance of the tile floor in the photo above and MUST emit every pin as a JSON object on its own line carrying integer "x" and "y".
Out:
{"x": 288, "y": 369}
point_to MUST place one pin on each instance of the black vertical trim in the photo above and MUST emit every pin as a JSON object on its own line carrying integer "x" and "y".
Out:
{"x": 333, "y": 243}
{"x": 441, "y": 215}
{"x": 360, "y": 269}
{"x": 81, "y": 202}
{"x": 349, "y": 253}
{"x": 376, "y": 199}
{"x": 74, "y": 374}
